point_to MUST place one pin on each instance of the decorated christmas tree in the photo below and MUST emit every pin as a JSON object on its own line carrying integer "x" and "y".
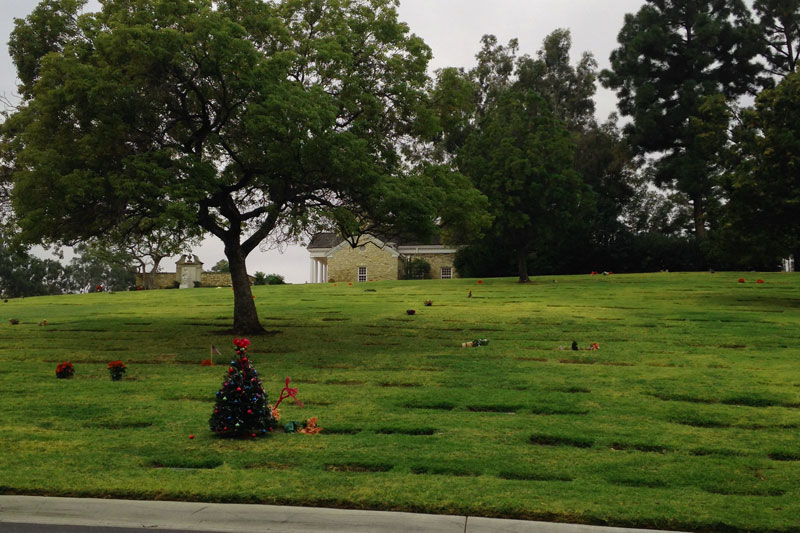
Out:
{"x": 241, "y": 409}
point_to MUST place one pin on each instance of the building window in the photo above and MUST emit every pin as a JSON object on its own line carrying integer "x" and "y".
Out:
{"x": 447, "y": 273}
{"x": 362, "y": 274}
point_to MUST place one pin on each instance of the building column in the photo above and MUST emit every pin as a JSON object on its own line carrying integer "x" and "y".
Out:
{"x": 325, "y": 272}
{"x": 311, "y": 272}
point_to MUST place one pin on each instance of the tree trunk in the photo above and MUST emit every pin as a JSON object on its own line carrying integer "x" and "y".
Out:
{"x": 699, "y": 218}
{"x": 522, "y": 265}
{"x": 245, "y": 316}
{"x": 150, "y": 278}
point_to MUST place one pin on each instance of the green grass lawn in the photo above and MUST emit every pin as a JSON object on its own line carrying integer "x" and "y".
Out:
{"x": 687, "y": 417}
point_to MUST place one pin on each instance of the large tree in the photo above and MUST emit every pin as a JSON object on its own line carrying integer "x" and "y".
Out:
{"x": 779, "y": 21}
{"x": 675, "y": 58}
{"x": 22, "y": 274}
{"x": 511, "y": 124}
{"x": 764, "y": 185}
{"x": 247, "y": 118}
{"x": 521, "y": 158}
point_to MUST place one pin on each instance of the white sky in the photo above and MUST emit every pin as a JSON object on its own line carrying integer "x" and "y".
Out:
{"x": 452, "y": 28}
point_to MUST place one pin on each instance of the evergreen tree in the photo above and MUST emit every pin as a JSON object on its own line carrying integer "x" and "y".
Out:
{"x": 241, "y": 409}
{"x": 763, "y": 217}
{"x": 779, "y": 21}
{"x": 678, "y": 63}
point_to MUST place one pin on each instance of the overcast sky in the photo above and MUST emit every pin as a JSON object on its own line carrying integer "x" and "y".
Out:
{"x": 452, "y": 28}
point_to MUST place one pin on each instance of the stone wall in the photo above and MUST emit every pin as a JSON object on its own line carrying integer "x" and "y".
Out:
{"x": 161, "y": 280}
{"x": 382, "y": 264}
{"x": 166, "y": 280}
{"x": 437, "y": 261}
{"x": 216, "y": 279}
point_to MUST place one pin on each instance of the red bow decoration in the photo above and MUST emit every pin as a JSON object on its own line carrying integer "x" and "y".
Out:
{"x": 287, "y": 392}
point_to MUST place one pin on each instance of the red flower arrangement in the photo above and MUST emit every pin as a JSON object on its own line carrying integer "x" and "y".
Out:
{"x": 99, "y": 288}
{"x": 116, "y": 368}
{"x": 741, "y": 280}
{"x": 65, "y": 370}
{"x": 760, "y": 281}
{"x": 480, "y": 282}
{"x": 207, "y": 362}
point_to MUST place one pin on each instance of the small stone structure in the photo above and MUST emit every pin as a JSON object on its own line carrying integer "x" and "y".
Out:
{"x": 188, "y": 270}
{"x": 333, "y": 259}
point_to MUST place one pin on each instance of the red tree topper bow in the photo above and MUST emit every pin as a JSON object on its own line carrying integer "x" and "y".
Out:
{"x": 287, "y": 392}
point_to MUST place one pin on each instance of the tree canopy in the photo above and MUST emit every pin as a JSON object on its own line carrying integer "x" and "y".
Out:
{"x": 675, "y": 61}
{"x": 510, "y": 125}
{"x": 779, "y": 21}
{"x": 247, "y": 118}
{"x": 764, "y": 183}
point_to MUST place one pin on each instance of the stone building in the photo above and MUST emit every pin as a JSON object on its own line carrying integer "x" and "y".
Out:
{"x": 189, "y": 274}
{"x": 333, "y": 259}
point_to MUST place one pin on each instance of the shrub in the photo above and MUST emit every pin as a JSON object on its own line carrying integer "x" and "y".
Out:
{"x": 417, "y": 268}
{"x": 275, "y": 279}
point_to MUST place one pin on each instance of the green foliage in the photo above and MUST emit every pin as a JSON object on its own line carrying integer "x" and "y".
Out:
{"x": 221, "y": 266}
{"x": 691, "y": 399}
{"x": 246, "y": 119}
{"x": 676, "y": 67}
{"x": 268, "y": 279}
{"x": 95, "y": 265}
{"x": 569, "y": 90}
{"x": 764, "y": 185}
{"x": 22, "y": 274}
{"x": 779, "y": 22}
{"x": 521, "y": 159}
{"x": 511, "y": 125}
{"x": 274, "y": 279}
{"x": 417, "y": 268}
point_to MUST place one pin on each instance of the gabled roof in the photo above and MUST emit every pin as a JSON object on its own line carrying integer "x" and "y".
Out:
{"x": 324, "y": 241}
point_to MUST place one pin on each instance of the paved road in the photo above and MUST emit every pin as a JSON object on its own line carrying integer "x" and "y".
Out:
{"x": 35, "y": 514}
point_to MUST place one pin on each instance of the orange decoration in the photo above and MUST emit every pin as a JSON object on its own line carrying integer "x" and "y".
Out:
{"x": 311, "y": 427}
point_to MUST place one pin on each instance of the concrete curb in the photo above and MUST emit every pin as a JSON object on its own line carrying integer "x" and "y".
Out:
{"x": 217, "y": 517}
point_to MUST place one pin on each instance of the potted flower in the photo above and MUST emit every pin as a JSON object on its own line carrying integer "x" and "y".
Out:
{"x": 65, "y": 370}
{"x": 116, "y": 368}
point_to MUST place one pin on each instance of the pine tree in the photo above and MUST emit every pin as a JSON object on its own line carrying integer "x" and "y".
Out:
{"x": 241, "y": 409}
